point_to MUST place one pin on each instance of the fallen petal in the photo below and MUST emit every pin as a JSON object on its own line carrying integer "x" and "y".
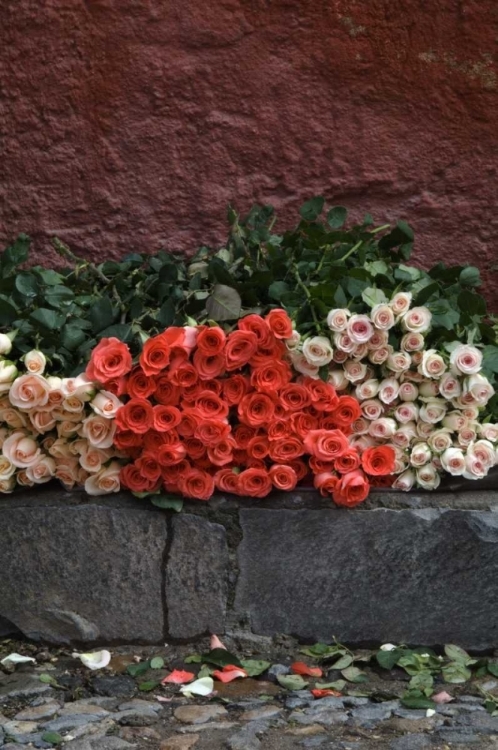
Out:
{"x": 95, "y": 659}
{"x": 178, "y": 677}
{"x": 216, "y": 643}
{"x": 202, "y": 686}
{"x": 229, "y": 673}
{"x": 163, "y": 699}
{"x": 299, "y": 667}
{"x": 442, "y": 697}
{"x": 430, "y": 712}
{"x": 16, "y": 659}
{"x": 316, "y": 693}
{"x": 388, "y": 647}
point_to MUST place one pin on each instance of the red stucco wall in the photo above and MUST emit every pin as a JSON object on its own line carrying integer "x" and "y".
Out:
{"x": 130, "y": 124}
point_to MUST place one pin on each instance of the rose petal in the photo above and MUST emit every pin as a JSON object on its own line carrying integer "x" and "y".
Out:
{"x": 16, "y": 659}
{"x": 95, "y": 659}
{"x": 316, "y": 693}
{"x": 442, "y": 697}
{"x": 178, "y": 677}
{"x": 229, "y": 673}
{"x": 163, "y": 699}
{"x": 430, "y": 712}
{"x": 388, "y": 647}
{"x": 299, "y": 667}
{"x": 216, "y": 643}
{"x": 202, "y": 686}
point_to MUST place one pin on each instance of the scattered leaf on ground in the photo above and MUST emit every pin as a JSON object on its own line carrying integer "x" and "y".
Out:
{"x": 193, "y": 659}
{"x": 135, "y": 670}
{"x": 54, "y": 738}
{"x": 353, "y": 674}
{"x": 220, "y": 657}
{"x": 157, "y": 662}
{"x": 255, "y": 667}
{"x": 146, "y": 687}
{"x": 292, "y": 681}
{"x": 337, "y": 685}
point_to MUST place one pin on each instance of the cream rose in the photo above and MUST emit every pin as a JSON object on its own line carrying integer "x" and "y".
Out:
{"x": 440, "y": 440}
{"x": 433, "y": 411}
{"x": 337, "y": 320}
{"x": 21, "y": 450}
{"x": 338, "y": 379}
{"x": 378, "y": 339}
{"x": 68, "y": 428}
{"x": 8, "y": 372}
{"x": 489, "y": 431}
{"x": 382, "y": 428}
{"x": 474, "y": 467}
{"x": 291, "y": 343}
{"x": 29, "y": 392}
{"x": 404, "y": 481}
{"x": 8, "y": 485}
{"x": 378, "y": 356}
{"x": 466, "y": 359}
{"x": 60, "y": 448}
{"x": 35, "y": 362}
{"x": 7, "y": 468}
{"x": 66, "y": 471}
{"x": 453, "y": 461}
{"x": 42, "y": 421}
{"x": 412, "y": 342}
{"x": 99, "y": 431}
{"x": 399, "y": 361}
{"x": 13, "y": 418}
{"x": 404, "y": 435}
{"x": 432, "y": 365}
{"x": 302, "y": 365}
{"x": 449, "y": 386}
{"x": 91, "y": 459}
{"x": 484, "y": 451}
{"x": 344, "y": 342}
{"x": 388, "y": 390}
{"x": 105, "y": 481}
{"x": 401, "y": 302}
{"x": 420, "y": 454}
{"x": 367, "y": 390}
{"x": 382, "y": 316}
{"x": 360, "y": 329}
{"x": 428, "y": 477}
{"x": 428, "y": 389}
{"x": 407, "y": 412}
{"x": 479, "y": 387}
{"x": 42, "y": 471}
{"x": 417, "y": 320}
{"x": 408, "y": 391}
{"x": 318, "y": 351}
{"x": 455, "y": 421}
{"x": 354, "y": 371}
{"x": 78, "y": 386}
{"x": 5, "y": 344}
{"x": 372, "y": 408}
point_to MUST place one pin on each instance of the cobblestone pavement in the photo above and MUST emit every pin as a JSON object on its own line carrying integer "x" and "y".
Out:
{"x": 106, "y": 710}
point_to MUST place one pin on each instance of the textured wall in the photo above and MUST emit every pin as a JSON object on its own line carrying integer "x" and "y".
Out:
{"x": 129, "y": 124}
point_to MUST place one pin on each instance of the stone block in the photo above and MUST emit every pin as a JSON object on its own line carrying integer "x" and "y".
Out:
{"x": 82, "y": 573}
{"x": 415, "y": 576}
{"x": 196, "y": 578}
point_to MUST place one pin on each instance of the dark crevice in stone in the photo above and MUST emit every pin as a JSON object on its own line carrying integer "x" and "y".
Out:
{"x": 166, "y": 557}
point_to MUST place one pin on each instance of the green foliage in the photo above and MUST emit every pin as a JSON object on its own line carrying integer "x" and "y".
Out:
{"x": 319, "y": 264}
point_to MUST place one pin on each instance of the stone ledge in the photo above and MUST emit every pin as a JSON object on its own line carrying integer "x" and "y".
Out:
{"x": 117, "y": 569}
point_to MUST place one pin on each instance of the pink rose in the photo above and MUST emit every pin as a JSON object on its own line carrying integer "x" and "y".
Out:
{"x": 21, "y": 450}
{"x": 360, "y": 329}
{"x": 99, "y": 431}
{"x": 29, "y": 392}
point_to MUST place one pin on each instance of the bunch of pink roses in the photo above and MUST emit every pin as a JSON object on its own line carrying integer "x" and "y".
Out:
{"x": 427, "y": 404}
{"x": 54, "y": 428}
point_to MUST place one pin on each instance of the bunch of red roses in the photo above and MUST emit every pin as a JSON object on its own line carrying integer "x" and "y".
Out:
{"x": 211, "y": 410}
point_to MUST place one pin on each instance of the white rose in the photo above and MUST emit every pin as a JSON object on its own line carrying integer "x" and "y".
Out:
{"x": 474, "y": 467}
{"x": 479, "y": 387}
{"x": 380, "y": 355}
{"x": 489, "y": 431}
{"x": 405, "y": 413}
{"x": 408, "y": 391}
{"x": 471, "y": 413}
{"x": 440, "y": 440}
{"x": 398, "y": 361}
{"x": 360, "y": 329}
{"x": 35, "y": 362}
{"x": 449, "y": 386}
{"x": 354, "y": 371}
{"x": 372, "y": 408}
{"x": 417, "y": 320}
{"x": 318, "y": 351}
{"x": 420, "y": 454}
{"x": 412, "y": 342}
{"x": 361, "y": 442}
{"x": 105, "y": 481}
{"x": 428, "y": 388}
{"x": 106, "y": 404}
{"x": 428, "y": 477}
{"x": 21, "y": 450}
{"x": 401, "y": 302}
{"x": 484, "y": 451}
{"x": 466, "y": 436}
{"x": 388, "y": 390}
{"x": 340, "y": 357}
{"x": 338, "y": 379}
{"x": 8, "y": 371}
{"x": 424, "y": 429}
{"x": 432, "y": 365}
{"x": 360, "y": 426}
{"x": 466, "y": 359}
{"x": 344, "y": 342}
{"x": 292, "y": 342}
{"x": 382, "y": 428}
{"x": 404, "y": 482}
{"x": 7, "y": 468}
{"x": 301, "y": 364}
{"x": 382, "y": 316}
{"x": 453, "y": 461}
{"x": 404, "y": 435}
{"x": 5, "y": 344}
{"x": 378, "y": 339}
{"x": 337, "y": 320}
{"x": 78, "y": 386}
{"x": 366, "y": 390}
{"x": 360, "y": 351}
{"x": 433, "y": 411}
{"x": 455, "y": 421}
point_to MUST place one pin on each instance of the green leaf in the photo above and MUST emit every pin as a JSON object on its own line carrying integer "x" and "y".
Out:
{"x": 255, "y": 667}
{"x": 409, "y": 701}
{"x": 167, "y": 502}
{"x": 336, "y": 217}
{"x": 471, "y": 303}
{"x": 353, "y": 674}
{"x": 388, "y": 659}
{"x": 101, "y": 314}
{"x": 423, "y": 681}
{"x": 205, "y": 671}
{"x": 121, "y": 331}
{"x": 193, "y": 659}
{"x": 457, "y": 654}
{"x": 401, "y": 234}
{"x": 377, "y": 267}
{"x": 54, "y": 738}
{"x": 321, "y": 651}
{"x": 456, "y": 673}
{"x": 372, "y": 296}
{"x": 46, "y": 318}
{"x": 277, "y": 289}
{"x": 224, "y": 303}
{"x": 56, "y": 295}
{"x": 157, "y": 662}
{"x": 8, "y": 312}
{"x": 26, "y": 285}
{"x": 16, "y": 253}
{"x": 470, "y": 276}
{"x": 490, "y": 358}
{"x": 292, "y": 681}
{"x": 336, "y": 685}
{"x": 343, "y": 662}
{"x": 166, "y": 314}
{"x": 220, "y": 658}
{"x": 47, "y": 679}
{"x": 146, "y": 687}
{"x": 406, "y": 273}
{"x": 72, "y": 337}
{"x": 312, "y": 208}
{"x": 50, "y": 278}
{"x": 493, "y": 668}
{"x": 135, "y": 670}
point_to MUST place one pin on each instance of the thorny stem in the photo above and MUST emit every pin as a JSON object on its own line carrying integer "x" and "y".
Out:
{"x": 308, "y": 296}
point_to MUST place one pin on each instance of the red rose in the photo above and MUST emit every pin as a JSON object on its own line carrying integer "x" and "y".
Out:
{"x": 188, "y": 424}
{"x": 301, "y": 423}
{"x": 323, "y": 395}
{"x": 299, "y": 467}
{"x": 352, "y": 489}
{"x": 271, "y": 377}
{"x": 166, "y": 417}
{"x": 125, "y": 439}
{"x": 208, "y": 365}
{"x": 349, "y": 461}
{"x": 379, "y": 461}
{"x": 132, "y": 478}
{"x": 347, "y": 411}
{"x": 210, "y": 406}
{"x": 234, "y": 388}
{"x": 283, "y": 477}
{"x": 256, "y": 409}
{"x": 183, "y": 374}
{"x": 221, "y": 453}
{"x": 254, "y": 483}
{"x": 165, "y": 392}
{"x": 226, "y": 480}
{"x": 140, "y": 385}
{"x": 287, "y": 449}
{"x": 155, "y": 355}
{"x": 171, "y": 474}
{"x": 109, "y": 360}
{"x": 325, "y": 482}
{"x": 239, "y": 348}
{"x": 153, "y": 440}
{"x": 196, "y": 484}
{"x": 326, "y": 444}
{"x": 212, "y": 431}
{"x": 168, "y": 455}
{"x": 258, "y": 447}
{"x": 278, "y": 429}
{"x": 195, "y": 448}
{"x": 294, "y": 397}
{"x": 211, "y": 340}
{"x": 318, "y": 466}
{"x": 149, "y": 466}
{"x": 243, "y": 434}
{"x": 280, "y": 323}
{"x": 260, "y": 327}
{"x": 137, "y": 415}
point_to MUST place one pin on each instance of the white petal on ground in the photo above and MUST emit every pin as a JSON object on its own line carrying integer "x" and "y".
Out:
{"x": 95, "y": 659}
{"x": 388, "y": 647}
{"x": 16, "y": 659}
{"x": 202, "y": 686}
